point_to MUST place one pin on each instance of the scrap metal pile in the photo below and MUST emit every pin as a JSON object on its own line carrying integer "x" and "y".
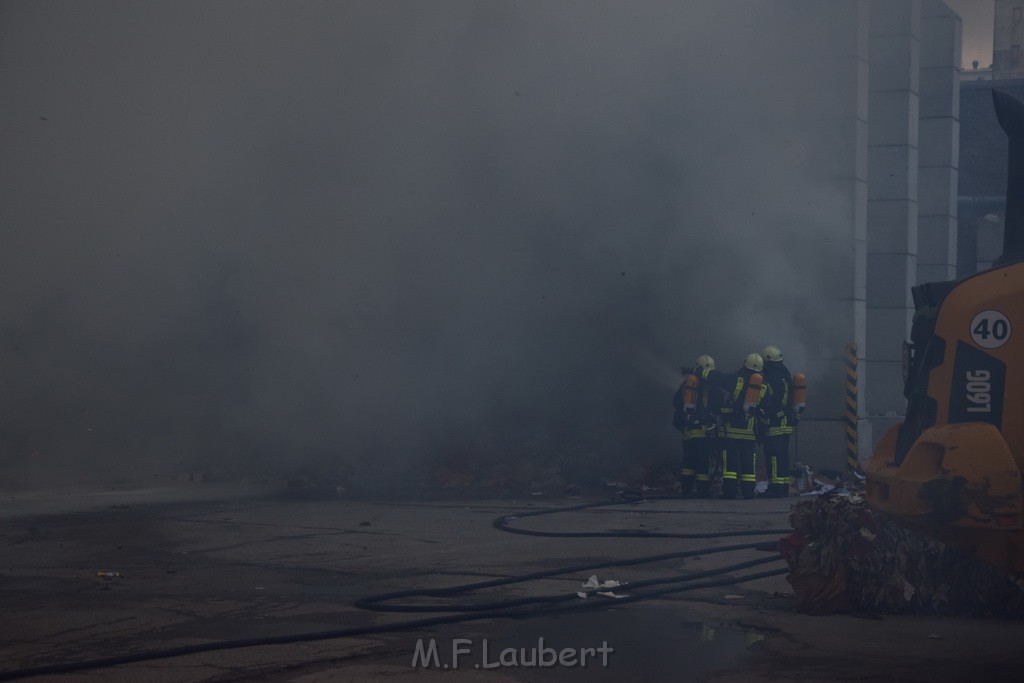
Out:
{"x": 844, "y": 557}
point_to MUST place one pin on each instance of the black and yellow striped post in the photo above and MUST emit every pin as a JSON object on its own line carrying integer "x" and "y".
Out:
{"x": 850, "y": 416}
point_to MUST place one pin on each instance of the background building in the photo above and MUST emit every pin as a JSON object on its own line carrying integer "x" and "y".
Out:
{"x": 982, "y": 191}
{"x": 903, "y": 162}
{"x": 1007, "y": 60}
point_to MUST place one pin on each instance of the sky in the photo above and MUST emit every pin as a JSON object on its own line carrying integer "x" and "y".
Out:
{"x": 364, "y": 237}
{"x": 978, "y": 19}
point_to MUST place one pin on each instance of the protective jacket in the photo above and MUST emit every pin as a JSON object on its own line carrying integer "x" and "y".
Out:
{"x": 778, "y": 416}
{"x": 740, "y": 412}
{"x": 692, "y": 403}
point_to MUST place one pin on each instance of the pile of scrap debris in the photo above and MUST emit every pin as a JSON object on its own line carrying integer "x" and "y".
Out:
{"x": 844, "y": 557}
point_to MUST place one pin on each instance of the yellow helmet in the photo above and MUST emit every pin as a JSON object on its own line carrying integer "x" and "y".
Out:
{"x": 771, "y": 354}
{"x": 753, "y": 362}
{"x": 706, "y": 363}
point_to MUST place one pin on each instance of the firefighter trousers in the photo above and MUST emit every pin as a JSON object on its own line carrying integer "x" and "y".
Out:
{"x": 694, "y": 475}
{"x": 739, "y": 476}
{"x": 776, "y": 455}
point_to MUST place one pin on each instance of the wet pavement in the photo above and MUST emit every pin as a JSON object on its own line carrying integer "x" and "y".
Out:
{"x": 202, "y": 564}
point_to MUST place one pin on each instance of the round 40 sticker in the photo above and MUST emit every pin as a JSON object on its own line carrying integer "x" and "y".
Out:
{"x": 990, "y": 329}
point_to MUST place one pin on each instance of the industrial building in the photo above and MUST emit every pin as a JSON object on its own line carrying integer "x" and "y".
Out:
{"x": 899, "y": 62}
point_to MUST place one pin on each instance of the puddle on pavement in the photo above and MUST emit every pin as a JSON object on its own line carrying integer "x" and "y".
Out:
{"x": 655, "y": 644}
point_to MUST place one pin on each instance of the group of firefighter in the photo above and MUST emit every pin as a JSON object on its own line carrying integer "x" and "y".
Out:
{"x": 726, "y": 418}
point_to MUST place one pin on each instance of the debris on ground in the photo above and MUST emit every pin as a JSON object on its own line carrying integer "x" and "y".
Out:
{"x": 845, "y": 557}
{"x": 593, "y": 583}
{"x": 806, "y": 482}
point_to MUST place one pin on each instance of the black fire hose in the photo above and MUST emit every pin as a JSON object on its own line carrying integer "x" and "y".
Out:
{"x": 466, "y": 613}
{"x": 376, "y": 602}
{"x": 355, "y": 631}
{"x": 373, "y": 602}
{"x": 502, "y": 523}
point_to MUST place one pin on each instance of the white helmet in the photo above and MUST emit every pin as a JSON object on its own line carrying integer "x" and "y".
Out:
{"x": 771, "y": 354}
{"x": 706, "y": 363}
{"x": 753, "y": 362}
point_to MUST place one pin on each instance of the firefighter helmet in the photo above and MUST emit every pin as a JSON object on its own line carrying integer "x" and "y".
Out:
{"x": 771, "y": 354}
{"x": 706, "y": 362}
{"x": 754, "y": 362}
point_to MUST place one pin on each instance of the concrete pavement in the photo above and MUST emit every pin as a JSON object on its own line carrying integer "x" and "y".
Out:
{"x": 203, "y": 563}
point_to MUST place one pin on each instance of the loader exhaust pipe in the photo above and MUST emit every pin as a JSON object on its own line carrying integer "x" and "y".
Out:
{"x": 1010, "y": 112}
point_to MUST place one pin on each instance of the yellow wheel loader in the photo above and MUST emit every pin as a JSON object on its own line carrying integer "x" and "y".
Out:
{"x": 952, "y": 468}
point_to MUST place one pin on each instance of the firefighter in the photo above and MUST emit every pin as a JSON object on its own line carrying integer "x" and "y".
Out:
{"x": 784, "y": 402}
{"x": 697, "y": 427}
{"x": 777, "y": 421}
{"x": 739, "y": 476}
{"x": 679, "y": 421}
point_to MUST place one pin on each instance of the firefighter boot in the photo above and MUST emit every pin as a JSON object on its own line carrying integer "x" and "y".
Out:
{"x": 686, "y": 486}
{"x": 716, "y": 486}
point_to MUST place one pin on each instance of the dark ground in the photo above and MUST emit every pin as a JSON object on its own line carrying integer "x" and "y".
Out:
{"x": 205, "y": 562}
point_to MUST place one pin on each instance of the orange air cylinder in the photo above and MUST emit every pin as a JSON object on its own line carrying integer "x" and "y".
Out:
{"x": 690, "y": 393}
{"x": 798, "y": 400}
{"x": 753, "y": 395}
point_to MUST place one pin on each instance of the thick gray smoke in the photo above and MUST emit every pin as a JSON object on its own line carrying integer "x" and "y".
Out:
{"x": 361, "y": 235}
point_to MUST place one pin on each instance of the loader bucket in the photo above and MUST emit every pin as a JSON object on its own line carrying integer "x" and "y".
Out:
{"x": 958, "y": 482}
{"x": 955, "y": 474}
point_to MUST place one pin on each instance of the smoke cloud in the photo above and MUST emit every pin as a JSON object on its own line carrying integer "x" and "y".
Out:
{"x": 358, "y": 236}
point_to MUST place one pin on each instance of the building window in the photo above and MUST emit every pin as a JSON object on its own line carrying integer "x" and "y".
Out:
{"x": 1014, "y": 55}
{"x": 1016, "y": 15}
